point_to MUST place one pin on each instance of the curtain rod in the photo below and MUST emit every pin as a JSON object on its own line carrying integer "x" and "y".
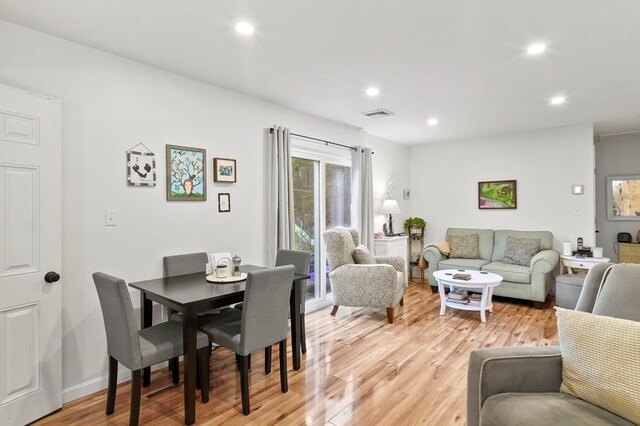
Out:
{"x": 320, "y": 140}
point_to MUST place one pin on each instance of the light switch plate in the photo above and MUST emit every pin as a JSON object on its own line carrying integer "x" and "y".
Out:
{"x": 110, "y": 217}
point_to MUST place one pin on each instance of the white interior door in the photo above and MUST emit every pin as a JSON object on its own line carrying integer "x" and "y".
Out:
{"x": 30, "y": 307}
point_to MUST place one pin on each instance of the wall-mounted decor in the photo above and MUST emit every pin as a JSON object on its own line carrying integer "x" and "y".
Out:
{"x": 186, "y": 173}
{"x": 497, "y": 194}
{"x": 141, "y": 166}
{"x": 623, "y": 197}
{"x": 224, "y": 202}
{"x": 224, "y": 170}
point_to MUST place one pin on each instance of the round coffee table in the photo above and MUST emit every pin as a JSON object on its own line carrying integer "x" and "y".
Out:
{"x": 484, "y": 281}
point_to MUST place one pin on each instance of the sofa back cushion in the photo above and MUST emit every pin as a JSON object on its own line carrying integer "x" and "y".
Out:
{"x": 485, "y": 239}
{"x": 500, "y": 241}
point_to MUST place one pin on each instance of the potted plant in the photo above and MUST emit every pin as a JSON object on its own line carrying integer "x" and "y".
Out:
{"x": 415, "y": 225}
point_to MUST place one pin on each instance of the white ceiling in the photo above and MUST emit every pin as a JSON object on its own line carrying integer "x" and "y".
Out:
{"x": 461, "y": 61}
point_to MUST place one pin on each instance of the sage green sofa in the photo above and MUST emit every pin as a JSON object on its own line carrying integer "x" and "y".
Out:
{"x": 521, "y": 282}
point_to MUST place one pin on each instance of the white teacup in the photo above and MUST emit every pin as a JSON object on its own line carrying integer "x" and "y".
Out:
{"x": 221, "y": 271}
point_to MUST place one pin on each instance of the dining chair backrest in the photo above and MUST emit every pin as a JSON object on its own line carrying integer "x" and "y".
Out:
{"x": 182, "y": 264}
{"x": 266, "y": 308}
{"x": 123, "y": 341}
{"x": 300, "y": 260}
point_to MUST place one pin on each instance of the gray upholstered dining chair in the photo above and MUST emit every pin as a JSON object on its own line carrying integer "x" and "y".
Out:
{"x": 300, "y": 260}
{"x": 261, "y": 323}
{"x": 137, "y": 349}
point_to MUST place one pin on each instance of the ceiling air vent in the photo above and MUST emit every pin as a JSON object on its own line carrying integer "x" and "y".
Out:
{"x": 378, "y": 113}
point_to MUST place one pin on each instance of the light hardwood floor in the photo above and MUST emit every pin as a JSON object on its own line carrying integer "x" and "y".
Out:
{"x": 358, "y": 370}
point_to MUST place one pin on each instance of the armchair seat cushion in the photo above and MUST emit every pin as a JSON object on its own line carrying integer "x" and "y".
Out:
{"x": 545, "y": 408}
{"x": 513, "y": 273}
{"x": 458, "y": 263}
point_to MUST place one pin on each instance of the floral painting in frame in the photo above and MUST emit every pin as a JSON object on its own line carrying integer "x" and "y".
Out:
{"x": 186, "y": 173}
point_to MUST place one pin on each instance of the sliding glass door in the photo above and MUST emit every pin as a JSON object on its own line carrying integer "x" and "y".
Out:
{"x": 321, "y": 200}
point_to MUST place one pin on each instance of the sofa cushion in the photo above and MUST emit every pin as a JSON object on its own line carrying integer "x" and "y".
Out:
{"x": 512, "y": 273}
{"x": 500, "y": 241}
{"x": 601, "y": 361}
{"x": 519, "y": 251}
{"x": 363, "y": 256}
{"x": 464, "y": 246}
{"x": 462, "y": 264}
{"x": 485, "y": 239}
{"x": 544, "y": 408}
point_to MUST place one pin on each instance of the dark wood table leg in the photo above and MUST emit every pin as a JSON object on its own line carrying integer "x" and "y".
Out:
{"x": 146, "y": 311}
{"x": 295, "y": 323}
{"x": 189, "y": 330}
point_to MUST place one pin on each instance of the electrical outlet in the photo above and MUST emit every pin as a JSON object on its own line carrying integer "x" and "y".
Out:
{"x": 110, "y": 217}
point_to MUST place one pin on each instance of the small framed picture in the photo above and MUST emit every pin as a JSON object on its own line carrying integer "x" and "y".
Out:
{"x": 141, "y": 168}
{"x": 186, "y": 173}
{"x": 224, "y": 202}
{"x": 224, "y": 170}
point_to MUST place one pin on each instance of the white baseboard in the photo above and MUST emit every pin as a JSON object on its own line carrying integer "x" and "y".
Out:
{"x": 95, "y": 385}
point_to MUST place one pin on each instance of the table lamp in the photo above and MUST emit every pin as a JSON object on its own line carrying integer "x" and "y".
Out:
{"x": 390, "y": 207}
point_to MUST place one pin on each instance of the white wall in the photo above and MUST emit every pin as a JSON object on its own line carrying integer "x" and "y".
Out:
{"x": 615, "y": 156}
{"x": 545, "y": 163}
{"x": 111, "y": 104}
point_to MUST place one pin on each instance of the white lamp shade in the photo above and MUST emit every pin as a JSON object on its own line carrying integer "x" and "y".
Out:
{"x": 390, "y": 207}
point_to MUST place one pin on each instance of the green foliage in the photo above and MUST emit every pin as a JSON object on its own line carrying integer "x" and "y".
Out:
{"x": 415, "y": 222}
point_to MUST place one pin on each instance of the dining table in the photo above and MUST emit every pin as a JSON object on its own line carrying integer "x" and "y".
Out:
{"x": 191, "y": 294}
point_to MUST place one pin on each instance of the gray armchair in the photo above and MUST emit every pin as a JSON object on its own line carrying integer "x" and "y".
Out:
{"x": 520, "y": 385}
{"x": 379, "y": 285}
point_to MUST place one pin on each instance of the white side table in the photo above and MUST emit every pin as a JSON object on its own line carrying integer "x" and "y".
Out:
{"x": 571, "y": 262}
{"x": 484, "y": 281}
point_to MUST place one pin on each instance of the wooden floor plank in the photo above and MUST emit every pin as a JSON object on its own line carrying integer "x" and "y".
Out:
{"x": 359, "y": 369}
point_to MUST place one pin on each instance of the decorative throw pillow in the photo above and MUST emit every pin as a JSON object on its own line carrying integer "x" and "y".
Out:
{"x": 601, "y": 361}
{"x": 442, "y": 247}
{"x": 362, "y": 255}
{"x": 464, "y": 246}
{"x": 519, "y": 251}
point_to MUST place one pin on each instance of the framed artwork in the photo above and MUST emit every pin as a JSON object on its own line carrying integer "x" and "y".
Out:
{"x": 224, "y": 202}
{"x": 141, "y": 167}
{"x": 623, "y": 197}
{"x": 186, "y": 173}
{"x": 497, "y": 194}
{"x": 224, "y": 170}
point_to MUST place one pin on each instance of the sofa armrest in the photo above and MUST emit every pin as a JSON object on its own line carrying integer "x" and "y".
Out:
{"x": 374, "y": 286}
{"x": 544, "y": 261}
{"x": 511, "y": 369}
{"x": 433, "y": 255}
{"x": 396, "y": 261}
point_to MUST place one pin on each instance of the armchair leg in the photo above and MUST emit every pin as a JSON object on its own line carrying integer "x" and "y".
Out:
{"x": 136, "y": 389}
{"x": 113, "y": 384}
{"x": 334, "y": 310}
{"x": 244, "y": 384}
{"x": 284, "y": 384}
{"x": 434, "y": 289}
{"x": 402, "y": 301}
{"x": 390, "y": 315}
{"x": 267, "y": 359}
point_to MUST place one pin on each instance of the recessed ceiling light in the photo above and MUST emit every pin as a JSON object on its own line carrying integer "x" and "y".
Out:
{"x": 557, "y": 100}
{"x": 373, "y": 91}
{"x": 244, "y": 28}
{"x": 536, "y": 49}
{"x": 432, "y": 121}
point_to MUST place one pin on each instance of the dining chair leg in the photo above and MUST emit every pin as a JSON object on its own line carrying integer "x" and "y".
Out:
{"x": 284, "y": 384}
{"x": 136, "y": 389}
{"x": 113, "y": 384}
{"x": 303, "y": 339}
{"x": 244, "y": 384}
{"x": 267, "y": 359}
{"x": 334, "y": 310}
{"x": 175, "y": 370}
{"x": 203, "y": 365}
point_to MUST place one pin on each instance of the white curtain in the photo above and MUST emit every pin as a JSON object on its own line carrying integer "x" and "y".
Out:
{"x": 362, "y": 187}
{"x": 280, "y": 198}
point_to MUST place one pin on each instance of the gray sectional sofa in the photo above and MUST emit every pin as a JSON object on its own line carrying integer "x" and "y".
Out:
{"x": 531, "y": 282}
